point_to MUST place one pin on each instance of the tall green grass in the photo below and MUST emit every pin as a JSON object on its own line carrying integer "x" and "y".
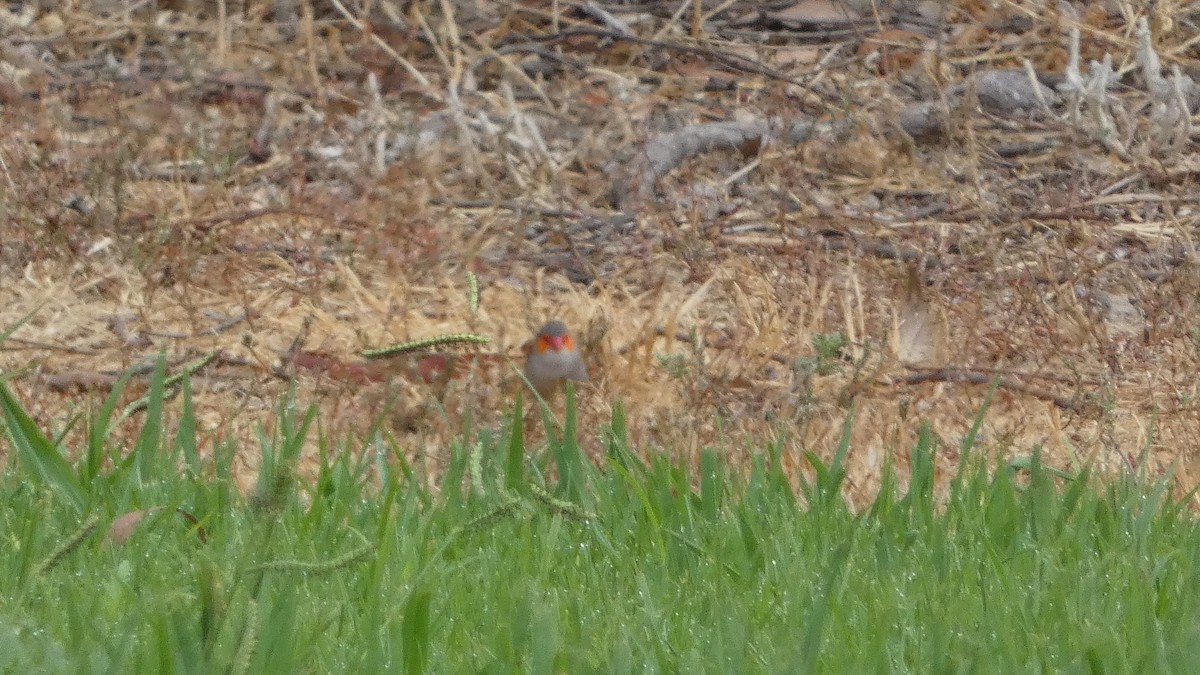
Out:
{"x": 637, "y": 564}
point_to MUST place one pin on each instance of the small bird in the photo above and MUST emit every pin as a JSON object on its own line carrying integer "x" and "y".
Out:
{"x": 554, "y": 358}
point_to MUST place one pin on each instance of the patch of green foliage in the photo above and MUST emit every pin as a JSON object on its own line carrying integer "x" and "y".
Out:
{"x": 538, "y": 560}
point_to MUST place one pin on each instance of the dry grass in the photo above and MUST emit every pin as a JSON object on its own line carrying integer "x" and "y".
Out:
{"x": 164, "y": 174}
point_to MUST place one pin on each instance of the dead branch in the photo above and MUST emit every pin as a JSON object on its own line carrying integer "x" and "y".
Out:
{"x": 227, "y": 323}
{"x": 603, "y": 16}
{"x": 955, "y": 375}
{"x": 78, "y": 382}
{"x": 835, "y": 240}
{"x": 520, "y": 207}
{"x": 666, "y": 151}
{"x": 733, "y": 61}
{"x": 119, "y": 325}
{"x": 36, "y": 344}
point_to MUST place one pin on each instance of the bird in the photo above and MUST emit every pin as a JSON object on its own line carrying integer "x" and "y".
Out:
{"x": 554, "y": 358}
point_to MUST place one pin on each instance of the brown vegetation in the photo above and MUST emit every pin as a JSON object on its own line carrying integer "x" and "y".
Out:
{"x": 707, "y": 197}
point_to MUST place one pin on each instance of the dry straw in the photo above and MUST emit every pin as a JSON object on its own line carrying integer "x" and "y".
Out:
{"x": 775, "y": 191}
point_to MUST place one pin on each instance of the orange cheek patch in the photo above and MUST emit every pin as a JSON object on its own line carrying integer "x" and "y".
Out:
{"x": 543, "y": 344}
{"x": 568, "y": 343}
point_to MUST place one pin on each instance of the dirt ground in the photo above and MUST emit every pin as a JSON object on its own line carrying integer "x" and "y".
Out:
{"x": 753, "y": 222}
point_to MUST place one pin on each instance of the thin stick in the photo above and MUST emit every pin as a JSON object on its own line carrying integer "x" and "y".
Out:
{"x": 405, "y": 63}
{"x": 222, "y": 36}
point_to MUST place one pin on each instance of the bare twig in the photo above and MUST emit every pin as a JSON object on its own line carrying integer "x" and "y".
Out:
{"x": 599, "y": 13}
{"x": 404, "y": 63}
{"x": 955, "y": 375}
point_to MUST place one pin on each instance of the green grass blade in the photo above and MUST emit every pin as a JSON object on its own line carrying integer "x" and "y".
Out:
{"x": 568, "y": 456}
{"x": 514, "y": 462}
{"x": 185, "y": 435}
{"x": 968, "y": 442}
{"x": 818, "y": 613}
{"x": 149, "y": 446}
{"x": 415, "y": 632}
{"x": 712, "y": 483}
{"x": 17, "y": 324}
{"x": 40, "y": 459}
{"x": 99, "y": 428}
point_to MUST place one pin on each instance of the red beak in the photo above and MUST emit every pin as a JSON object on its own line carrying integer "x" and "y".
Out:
{"x": 557, "y": 342}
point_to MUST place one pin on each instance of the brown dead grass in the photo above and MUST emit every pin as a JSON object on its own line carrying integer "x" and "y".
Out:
{"x": 140, "y": 210}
